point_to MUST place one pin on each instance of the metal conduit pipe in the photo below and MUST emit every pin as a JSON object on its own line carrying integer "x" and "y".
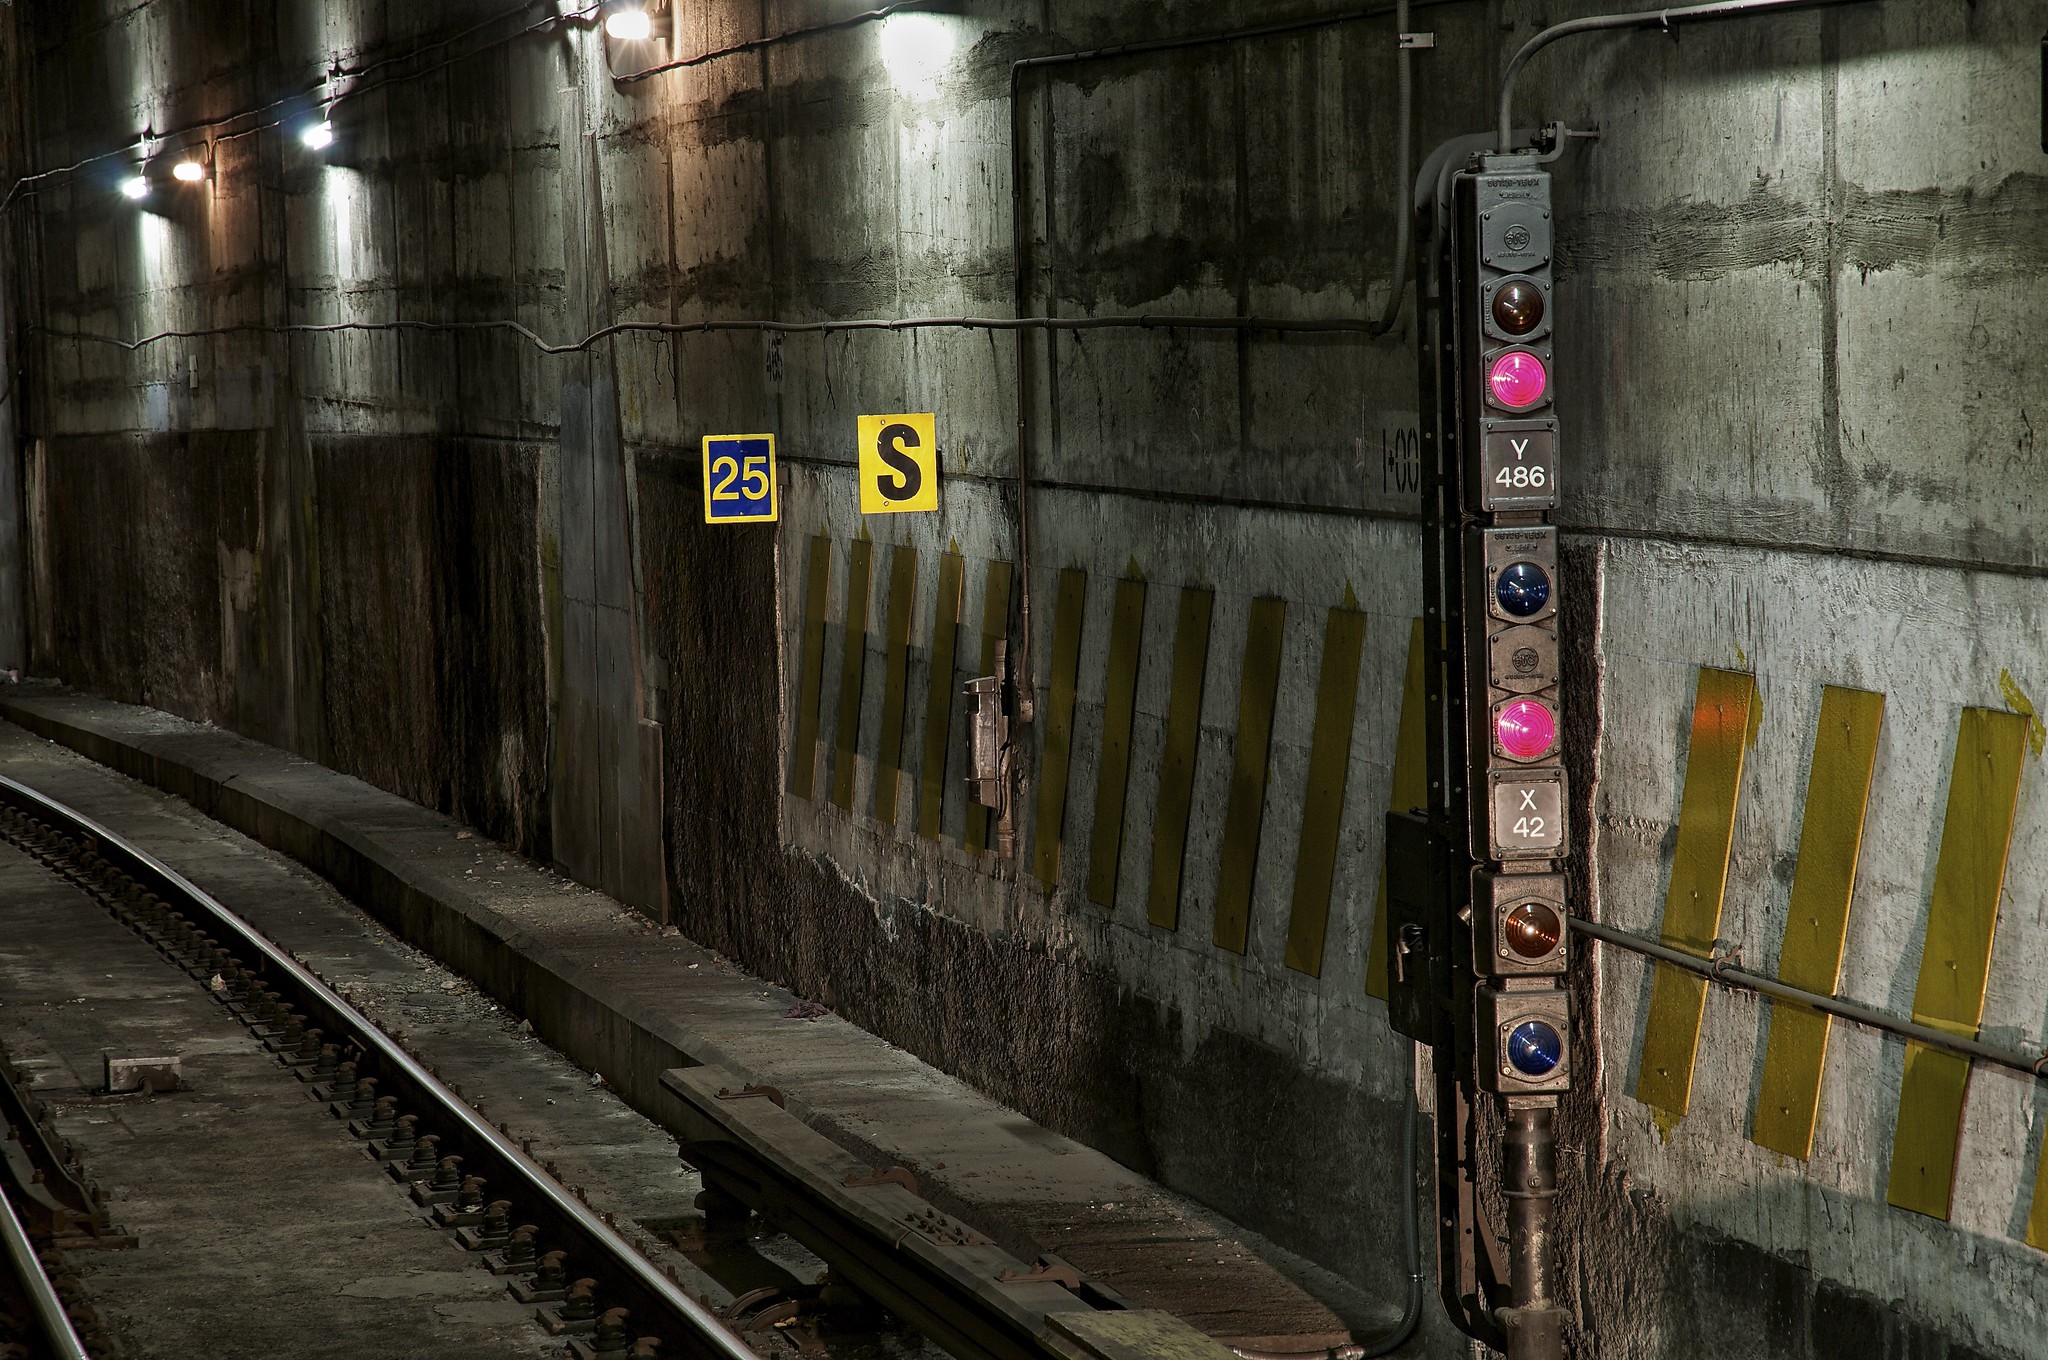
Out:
{"x": 1596, "y": 23}
{"x": 1404, "y": 154}
{"x": 1147, "y": 321}
{"x": 1723, "y": 971}
{"x": 1411, "y": 1238}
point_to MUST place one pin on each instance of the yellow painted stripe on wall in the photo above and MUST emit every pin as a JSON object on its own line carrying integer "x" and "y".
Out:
{"x": 938, "y": 704}
{"x": 1724, "y": 704}
{"x": 895, "y": 679}
{"x": 1057, "y": 757}
{"x": 852, "y": 666}
{"x": 1177, "y": 756}
{"x": 1322, "y": 807}
{"x": 803, "y": 760}
{"x": 1955, "y": 962}
{"x": 1410, "y": 789}
{"x": 1113, "y": 768}
{"x": 1251, "y": 759}
{"x": 2037, "y": 1221}
{"x": 1817, "y": 918}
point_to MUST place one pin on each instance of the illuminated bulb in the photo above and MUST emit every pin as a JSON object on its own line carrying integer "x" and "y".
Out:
{"x": 1517, "y": 380}
{"x": 1532, "y": 930}
{"x": 629, "y": 25}
{"x": 188, "y": 172}
{"x": 1535, "y": 1048}
{"x": 1526, "y": 729}
{"x": 318, "y": 136}
{"x": 917, "y": 50}
{"x": 1523, "y": 589}
{"x": 136, "y": 186}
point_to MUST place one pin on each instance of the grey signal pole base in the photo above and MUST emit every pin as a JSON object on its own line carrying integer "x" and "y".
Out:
{"x": 1533, "y": 1333}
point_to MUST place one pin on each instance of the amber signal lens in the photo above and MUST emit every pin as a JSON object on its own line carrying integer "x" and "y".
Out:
{"x": 1532, "y": 930}
{"x": 1518, "y": 307}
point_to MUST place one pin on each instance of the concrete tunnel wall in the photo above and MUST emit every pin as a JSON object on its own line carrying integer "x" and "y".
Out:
{"x": 1798, "y": 400}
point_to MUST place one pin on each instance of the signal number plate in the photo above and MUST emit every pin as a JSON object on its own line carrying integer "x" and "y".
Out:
{"x": 1519, "y": 469}
{"x": 1528, "y": 817}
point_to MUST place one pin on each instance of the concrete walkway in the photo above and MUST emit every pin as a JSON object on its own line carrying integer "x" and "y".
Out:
{"x": 628, "y": 1000}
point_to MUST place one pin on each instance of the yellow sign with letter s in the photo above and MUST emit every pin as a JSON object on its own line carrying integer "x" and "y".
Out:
{"x": 899, "y": 464}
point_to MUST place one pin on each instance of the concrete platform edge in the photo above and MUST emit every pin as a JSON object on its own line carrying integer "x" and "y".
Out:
{"x": 607, "y": 1036}
{"x": 375, "y": 847}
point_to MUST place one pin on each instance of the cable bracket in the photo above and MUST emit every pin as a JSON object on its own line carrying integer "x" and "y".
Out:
{"x": 1720, "y": 963}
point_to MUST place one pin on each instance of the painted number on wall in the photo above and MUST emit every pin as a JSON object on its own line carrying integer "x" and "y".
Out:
{"x": 1400, "y": 454}
{"x": 739, "y": 478}
{"x": 899, "y": 464}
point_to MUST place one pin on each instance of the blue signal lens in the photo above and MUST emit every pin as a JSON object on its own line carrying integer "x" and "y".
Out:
{"x": 1535, "y": 1048}
{"x": 1523, "y": 589}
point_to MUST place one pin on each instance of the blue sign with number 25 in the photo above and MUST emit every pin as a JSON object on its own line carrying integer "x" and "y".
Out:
{"x": 739, "y": 478}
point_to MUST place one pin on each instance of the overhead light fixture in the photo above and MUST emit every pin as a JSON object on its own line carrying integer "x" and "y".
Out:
{"x": 188, "y": 172}
{"x": 629, "y": 25}
{"x": 135, "y": 186}
{"x": 318, "y": 136}
{"x": 917, "y": 51}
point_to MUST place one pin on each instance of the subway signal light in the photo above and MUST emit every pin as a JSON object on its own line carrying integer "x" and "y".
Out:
{"x": 1517, "y": 380}
{"x": 1521, "y": 1015}
{"x": 1478, "y": 939}
{"x": 1518, "y": 928}
{"x": 1513, "y": 693}
{"x": 1522, "y": 589}
{"x": 1535, "y": 1048}
{"x": 1518, "y": 569}
{"x": 1517, "y": 307}
{"x": 1525, "y": 729}
{"x": 1505, "y": 297}
{"x": 1522, "y": 1035}
{"x": 1532, "y": 930}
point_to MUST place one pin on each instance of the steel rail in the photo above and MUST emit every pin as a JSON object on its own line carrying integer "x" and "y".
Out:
{"x": 1722, "y": 970}
{"x": 63, "y": 1338}
{"x": 713, "y": 1339}
{"x": 874, "y": 1264}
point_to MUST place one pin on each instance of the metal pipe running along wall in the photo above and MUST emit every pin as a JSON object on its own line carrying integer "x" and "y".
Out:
{"x": 1654, "y": 18}
{"x": 1722, "y": 970}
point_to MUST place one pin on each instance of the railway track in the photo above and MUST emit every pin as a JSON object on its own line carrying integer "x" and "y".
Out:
{"x": 37, "y": 1320}
{"x": 584, "y": 1280}
{"x": 46, "y": 1207}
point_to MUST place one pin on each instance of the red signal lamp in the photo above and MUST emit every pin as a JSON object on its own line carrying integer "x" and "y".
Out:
{"x": 1517, "y": 380}
{"x": 1526, "y": 729}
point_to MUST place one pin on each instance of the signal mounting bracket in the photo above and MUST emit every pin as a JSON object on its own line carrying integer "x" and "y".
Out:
{"x": 1551, "y": 140}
